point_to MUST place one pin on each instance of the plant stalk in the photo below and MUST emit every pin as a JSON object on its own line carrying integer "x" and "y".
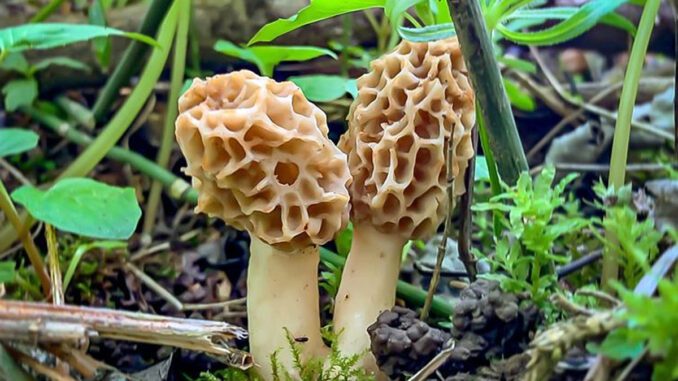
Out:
{"x": 622, "y": 132}
{"x": 125, "y": 116}
{"x": 176, "y": 82}
{"x": 78, "y": 112}
{"x": 493, "y": 102}
{"x": 130, "y": 60}
{"x": 442, "y": 247}
{"x": 46, "y": 11}
{"x": 22, "y": 230}
{"x": 54, "y": 265}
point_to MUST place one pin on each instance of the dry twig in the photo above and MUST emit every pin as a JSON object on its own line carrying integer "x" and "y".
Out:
{"x": 45, "y": 323}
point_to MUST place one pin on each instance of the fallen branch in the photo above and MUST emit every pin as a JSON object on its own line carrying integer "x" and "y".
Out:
{"x": 45, "y": 323}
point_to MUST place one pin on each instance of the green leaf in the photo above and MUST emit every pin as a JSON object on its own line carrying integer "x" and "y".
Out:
{"x": 541, "y": 15}
{"x": 84, "y": 248}
{"x": 586, "y": 17}
{"x": 442, "y": 12}
{"x": 60, "y": 61}
{"x": 51, "y": 35}
{"x": 20, "y": 92}
{"x": 322, "y": 88}
{"x": 343, "y": 240}
{"x": 267, "y": 57}
{"x": 15, "y": 62}
{"x": 16, "y": 140}
{"x": 427, "y": 33}
{"x": 395, "y": 8}
{"x": 482, "y": 172}
{"x": 101, "y": 45}
{"x": 519, "y": 99}
{"x": 352, "y": 87}
{"x": 7, "y": 271}
{"x": 83, "y": 206}
{"x": 619, "y": 346}
{"x": 317, "y": 10}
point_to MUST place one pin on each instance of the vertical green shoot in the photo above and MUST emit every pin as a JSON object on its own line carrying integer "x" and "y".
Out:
{"x": 176, "y": 82}
{"x": 622, "y": 133}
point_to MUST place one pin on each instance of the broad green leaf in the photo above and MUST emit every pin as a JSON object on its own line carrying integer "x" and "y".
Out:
{"x": 16, "y": 140}
{"x": 481, "y": 171}
{"x": 317, "y": 10}
{"x": 427, "y": 33}
{"x": 322, "y": 88}
{"x": 84, "y": 248}
{"x": 7, "y": 271}
{"x": 16, "y": 62}
{"x": 51, "y": 35}
{"x": 83, "y": 206}
{"x": 101, "y": 45}
{"x": 539, "y": 16}
{"x": 586, "y": 17}
{"x": 20, "y": 92}
{"x": 60, "y": 61}
{"x": 267, "y": 57}
{"x": 518, "y": 98}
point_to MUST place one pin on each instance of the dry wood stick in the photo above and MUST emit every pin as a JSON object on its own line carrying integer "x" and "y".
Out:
{"x": 45, "y": 323}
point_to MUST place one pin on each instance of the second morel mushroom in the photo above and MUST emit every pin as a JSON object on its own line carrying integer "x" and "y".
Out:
{"x": 408, "y": 107}
{"x": 259, "y": 156}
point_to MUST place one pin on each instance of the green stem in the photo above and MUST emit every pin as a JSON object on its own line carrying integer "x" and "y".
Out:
{"x": 176, "y": 82}
{"x": 77, "y": 111}
{"x": 622, "y": 132}
{"x": 125, "y": 116}
{"x": 129, "y": 63}
{"x": 46, "y": 11}
{"x": 494, "y": 105}
{"x": 410, "y": 293}
{"x": 177, "y": 187}
{"x": 24, "y": 233}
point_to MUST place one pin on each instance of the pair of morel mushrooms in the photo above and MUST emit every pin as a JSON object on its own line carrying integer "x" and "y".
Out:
{"x": 260, "y": 158}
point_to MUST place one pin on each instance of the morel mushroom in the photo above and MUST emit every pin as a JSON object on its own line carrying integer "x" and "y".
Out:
{"x": 408, "y": 107}
{"x": 259, "y": 156}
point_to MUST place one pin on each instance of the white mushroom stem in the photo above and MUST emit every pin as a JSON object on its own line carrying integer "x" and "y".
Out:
{"x": 368, "y": 286}
{"x": 282, "y": 293}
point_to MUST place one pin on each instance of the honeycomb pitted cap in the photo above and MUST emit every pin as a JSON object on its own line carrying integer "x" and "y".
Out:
{"x": 260, "y": 158}
{"x": 409, "y": 105}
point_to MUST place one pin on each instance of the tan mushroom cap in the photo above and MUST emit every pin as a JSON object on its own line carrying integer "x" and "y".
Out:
{"x": 408, "y": 106}
{"x": 259, "y": 156}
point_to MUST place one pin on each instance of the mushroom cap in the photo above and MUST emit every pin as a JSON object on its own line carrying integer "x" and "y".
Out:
{"x": 260, "y": 158}
{"x": 408, "y": 107}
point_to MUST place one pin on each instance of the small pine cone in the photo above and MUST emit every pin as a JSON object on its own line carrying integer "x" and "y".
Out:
{"x": 403, "y": 344}
{"x": 488, "y": 323}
